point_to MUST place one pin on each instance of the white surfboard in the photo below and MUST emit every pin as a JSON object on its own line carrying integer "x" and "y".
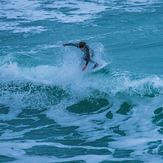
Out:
{"x": 99, "y": 67}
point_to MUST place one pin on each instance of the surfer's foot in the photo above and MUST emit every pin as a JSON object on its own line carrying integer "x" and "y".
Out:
{"x": 95, "y": 65}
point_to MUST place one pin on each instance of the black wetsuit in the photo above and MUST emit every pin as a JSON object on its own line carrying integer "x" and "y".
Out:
{"x": 88, "y": 53}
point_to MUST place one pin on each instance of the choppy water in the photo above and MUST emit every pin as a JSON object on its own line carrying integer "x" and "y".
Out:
{"x": 51, "y": 111}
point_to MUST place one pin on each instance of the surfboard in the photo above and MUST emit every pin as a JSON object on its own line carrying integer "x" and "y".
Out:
{"x": 99, "y": 67}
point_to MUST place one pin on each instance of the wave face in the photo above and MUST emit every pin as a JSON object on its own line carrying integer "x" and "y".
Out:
{"x": 51, "y": 111}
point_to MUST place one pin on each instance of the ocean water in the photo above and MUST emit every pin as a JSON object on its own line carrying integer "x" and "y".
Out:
{"x": 51, "y": 111}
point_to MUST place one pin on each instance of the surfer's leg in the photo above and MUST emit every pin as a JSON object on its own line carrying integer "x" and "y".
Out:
{"x": 95, "y": 63}
{"x": 90, "y": 60}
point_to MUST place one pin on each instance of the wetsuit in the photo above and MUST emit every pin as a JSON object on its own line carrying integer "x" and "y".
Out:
{"x": 88, "y": 52}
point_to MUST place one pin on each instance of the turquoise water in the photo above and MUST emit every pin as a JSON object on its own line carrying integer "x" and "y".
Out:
{"x": 51, "y": 111}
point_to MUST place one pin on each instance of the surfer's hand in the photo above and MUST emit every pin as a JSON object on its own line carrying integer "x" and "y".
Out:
{"x": 63, "y": 44}
{"x": 84, "y": 67}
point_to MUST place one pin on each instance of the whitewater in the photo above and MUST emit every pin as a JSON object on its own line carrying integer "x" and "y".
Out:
{"x": 53, "y": 112}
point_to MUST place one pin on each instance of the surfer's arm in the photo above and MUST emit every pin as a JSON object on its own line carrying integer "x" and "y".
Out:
{"x": 71, "y": 44}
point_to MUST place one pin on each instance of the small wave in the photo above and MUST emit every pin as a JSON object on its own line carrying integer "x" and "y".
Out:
{"x": 70, "y": 77}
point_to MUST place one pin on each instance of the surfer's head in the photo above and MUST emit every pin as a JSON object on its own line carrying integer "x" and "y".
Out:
{"x": 82, "y": 44}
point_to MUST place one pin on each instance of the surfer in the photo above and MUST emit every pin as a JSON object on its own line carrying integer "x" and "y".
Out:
{"x": 88, "y": 53}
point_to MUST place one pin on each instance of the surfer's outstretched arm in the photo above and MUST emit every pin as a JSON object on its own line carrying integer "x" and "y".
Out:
{"x": 71, "y": 44}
